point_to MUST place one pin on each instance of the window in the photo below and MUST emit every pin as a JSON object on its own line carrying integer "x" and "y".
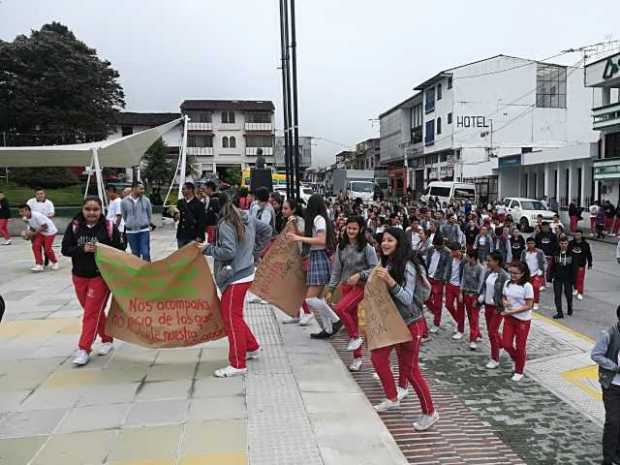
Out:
{"x": 449, "y": 118}
{"x": 258, "y": 117}
{"x": 126, "y": 131}
{"x": 232, "y": 142}
{"x": 199, "y": 116}
{"x": 443, "y": 157}
{"x": 440, "y": 191}
{"x": 417, "y": 123}
{"x": 450, "y": 82}
{"x": 199, "y": 140}
{"x": 228, "y": 117}
{"x": 429, "y": 137}
{"x": 258, "y": 141}
{"x": 439, "y": 92}
{"x": 429, "y": 103}
{"x": 550, "y": 86}
{"x": 612, "y": 145}
{"x": 463, "y": 193}
{"x": 224, "y": 142}
{"x": 438, "y": 125}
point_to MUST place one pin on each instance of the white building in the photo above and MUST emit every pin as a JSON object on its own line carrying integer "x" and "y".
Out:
{"x": 604, "y": 77}
{"x": 305, "y": 150}
{"x": 229, "y": 133}
{"x": 464, "y": 119}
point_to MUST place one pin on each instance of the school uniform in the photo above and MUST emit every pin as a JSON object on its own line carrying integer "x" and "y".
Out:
{"x": 319, "y": 269}
{"x": 484, "y": 245}
{"x": 563, "y": 273}
{"x": 517, "y": 326}
{"x": 471, "y": 282}
{"x": 436, "y": 264}
{"x": 548, "y": 243}
{"x": 535, "y": 262}
{"x": 583, "y": 257}
{"x": 454, "y": 272}
{"x": 491, "y": 298}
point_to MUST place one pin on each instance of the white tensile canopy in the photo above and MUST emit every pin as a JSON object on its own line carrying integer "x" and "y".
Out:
{"x": 124, "y": 152}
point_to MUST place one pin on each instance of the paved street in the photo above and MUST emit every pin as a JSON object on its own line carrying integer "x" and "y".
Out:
{"x": 299, "y": 404}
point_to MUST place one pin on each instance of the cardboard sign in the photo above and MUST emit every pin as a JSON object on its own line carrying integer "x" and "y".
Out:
{"x": 281, "y": 278}
{"x": 167, "y": 303}
{"x": 383, "y": 323}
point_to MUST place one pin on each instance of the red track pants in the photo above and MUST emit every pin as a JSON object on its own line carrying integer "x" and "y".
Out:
{"x": 4, "y": 229}
{"x": 516, "y": 330}
{"x": 408, "y": 364}
{"x": 240, "y": 337}
{"x": 456, "y": 308}
{"x": 43, "y": 242}
{"x": 92, "y": 293}
{"x": 346, "y": 309}
{"x": 537, "y": 283}
{"x": 494, "y": 321}
{"x": 580, "y": 279}
{"x": 435, "y": 301}
{"x": 473, "y": 315}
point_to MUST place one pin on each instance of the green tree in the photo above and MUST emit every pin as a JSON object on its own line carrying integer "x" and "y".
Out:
{"x": 232, "y": 176}
{"x": 159, "y": 168}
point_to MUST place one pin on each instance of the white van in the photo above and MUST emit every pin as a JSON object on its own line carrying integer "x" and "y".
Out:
{"x": 447, "y": 191}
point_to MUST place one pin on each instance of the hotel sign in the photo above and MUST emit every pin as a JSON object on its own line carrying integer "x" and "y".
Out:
{"x": 471, "y": 121}
{"x": 604, "y": 72}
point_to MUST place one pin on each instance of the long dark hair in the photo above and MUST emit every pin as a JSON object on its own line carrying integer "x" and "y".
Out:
{"x": 296, "y": 208}
{"x": 79, "y": 218}
{"x": 231, "y": 215}
{"x": 525, "y": 273}
{"x": 403, "y": 254}
{"x": 316, "y": 206}
{"x": 361, "y": 235}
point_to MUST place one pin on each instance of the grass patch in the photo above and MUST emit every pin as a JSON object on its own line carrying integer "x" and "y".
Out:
{"x": 62, "y": 197}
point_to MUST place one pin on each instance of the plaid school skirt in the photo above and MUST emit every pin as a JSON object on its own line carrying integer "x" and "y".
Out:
{"x": 318, "y": 268}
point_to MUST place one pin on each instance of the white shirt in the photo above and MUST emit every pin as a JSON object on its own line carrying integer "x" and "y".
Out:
{"x": 593, "y": 211}
{"x": 489, "y": 291}
{"x": 37, "y": 220}
{"x": 432, "y": 268}
{"x": 45, "y": 208}
{"x": 516, "y": 296}
{"x": 531, "y": 259}
{"x": 318, "y": 225}
{"x": 455, "y": 276}
{"x": 114, "y": 210}
{"x": 415, "y": 240}
{"x": 554, "y": 227}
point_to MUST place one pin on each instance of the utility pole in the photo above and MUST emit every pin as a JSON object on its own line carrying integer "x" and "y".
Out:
{"x": 287, "y": 145}
{"x": 295, "y": 113}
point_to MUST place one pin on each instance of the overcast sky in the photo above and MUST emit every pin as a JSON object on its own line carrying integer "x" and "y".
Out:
{"x": 356, "y": 58}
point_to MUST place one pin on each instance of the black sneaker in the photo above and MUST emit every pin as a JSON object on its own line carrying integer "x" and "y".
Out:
{"x": 558, "y": 316}
{"x": 322, "y": 335}
{"x": 570, "y": 311}
{"x": 336, "y": 327}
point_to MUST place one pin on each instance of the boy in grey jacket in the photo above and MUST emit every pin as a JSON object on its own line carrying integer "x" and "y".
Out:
{"x": 471, "y": 283}
{"x": 437, "y": 261}
{"x": 136, "y": 211}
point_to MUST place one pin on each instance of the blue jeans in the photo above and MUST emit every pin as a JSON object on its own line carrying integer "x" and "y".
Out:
{"x": 140, "y": 244}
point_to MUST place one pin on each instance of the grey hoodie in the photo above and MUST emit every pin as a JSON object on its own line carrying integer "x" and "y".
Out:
{"x": 239, "y": 255}
{"x": 136, "y": 215}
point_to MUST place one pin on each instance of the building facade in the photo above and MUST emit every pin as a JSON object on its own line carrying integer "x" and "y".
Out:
{"x": 305, "y": 150}
{"x": 464, "y": 120}
{"x": 229, "y": 133}
{"x": 603, "y": 76}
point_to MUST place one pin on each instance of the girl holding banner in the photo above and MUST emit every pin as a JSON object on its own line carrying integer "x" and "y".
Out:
{"x": 87, "y": 229}
{"x": 318, "y": 237}
{"x": 399, "y": 270}
{"x": 240, "y": 238}
{"x": 355, "y": 259}
{"x": 292, "y": 211}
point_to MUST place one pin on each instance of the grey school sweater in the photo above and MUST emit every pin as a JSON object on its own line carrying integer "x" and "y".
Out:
{"x": 350, "y": 261}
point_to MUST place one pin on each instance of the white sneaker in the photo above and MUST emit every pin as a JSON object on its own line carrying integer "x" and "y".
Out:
{"x": 291, "y": 321}
{"x": 517, "y": 377}
{"x": 579, "y": 296}
{"x": 81, "y": 358}
{"x": 356, "y": 364}
{"x": 473, "y": 346}
{"x": 305, "y": 319}
{"x": 55, "y": 266}
{"x": 37, "y": 269}
{"x": 253, "y": 354}
{"x": 426, "y": 421}
{"x": 426, "y": 339}
{"x": 229, "y": 372}
{"x": 354, "y": 344}
{"x": 542, "y": 288}
{"x": 434, "y": 329}
{"x": 574, "y": 291}
{"x": 492, "y": 365}
{"x": 387, "y": 405}
{"x": 105, "y": 348}
{"x": 7, "y": 242}
{"x": 457, "y": 336}
{"x": 536, "y": 307}
{"x": 375, "y": 376}
{"x": 401, "y": 393}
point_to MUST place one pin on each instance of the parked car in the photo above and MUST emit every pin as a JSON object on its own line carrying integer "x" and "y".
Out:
{"x": 524, "y": 212}
{"x": 449, "y": 191}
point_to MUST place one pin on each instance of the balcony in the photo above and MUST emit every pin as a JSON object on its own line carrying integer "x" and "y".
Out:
{"x": 251, "y": 151}
{"x": 200, "y": 151}
{"x": 606, "y": 116}
{"x": 259, "y": 127}
{"x": 199, "y": 126}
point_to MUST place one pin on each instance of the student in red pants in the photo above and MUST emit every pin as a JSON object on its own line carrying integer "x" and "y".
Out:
{"x": 240, "y": 238}
{"x": 518, "y": 298}
{"x": 80, "y": 241}
{"x": 582, "y": 255}
{"x": 399, "y": 268}
{"x": 471, "y": 282}
{"x": 437, "y": 260}
{"x": 535, "y": 260}
{"x": 491, "y": 297}
{"x": 454, "y": 301}
{"x": 355, "y": 259}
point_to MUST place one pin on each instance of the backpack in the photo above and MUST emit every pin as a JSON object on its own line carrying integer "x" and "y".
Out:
{"x": 421, "y": 292}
